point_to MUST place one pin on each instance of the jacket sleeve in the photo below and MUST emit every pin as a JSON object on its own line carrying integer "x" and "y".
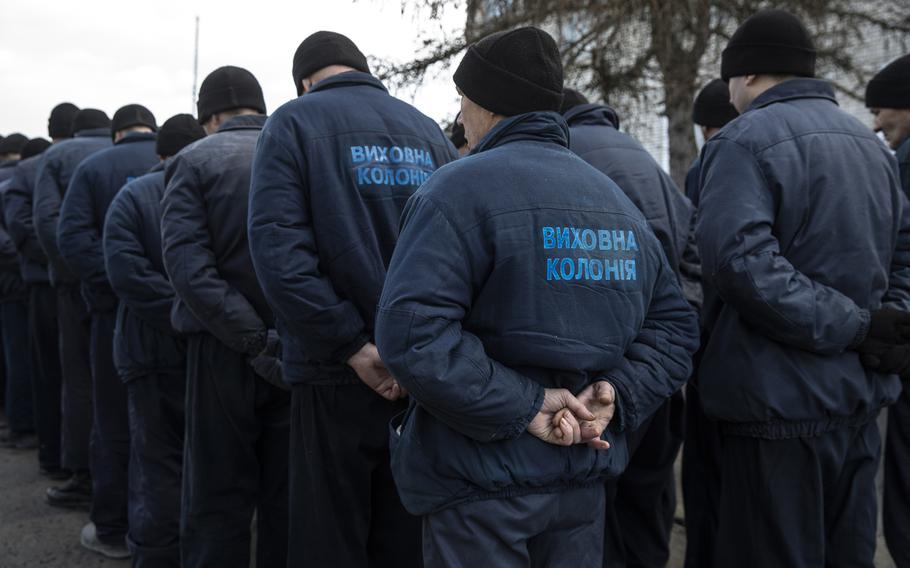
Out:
{"x": 132, "y": 275}
{"x": 46, "y": 209}
{"x": 427, "y": 294}
{"x": 284, "y": 251}
{"x": 690, "y": 271}
{"x": 78, "y": 237}
{"x": 17, "y": 211}
{"x": 193, "y": 267}
{"x": 741, "y": 256}
{"x": 898, "y": 294}
{"x": 659, "y": 361}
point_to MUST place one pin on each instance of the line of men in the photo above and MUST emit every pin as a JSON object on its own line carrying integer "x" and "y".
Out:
{"x": 324, "y": 320}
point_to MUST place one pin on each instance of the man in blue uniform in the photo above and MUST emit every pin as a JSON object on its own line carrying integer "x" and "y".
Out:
{"x": 804, "y": 238}
{"x": 91, "y": 133}
{"x": 527, "y": 307}
{"x": 641, "y": 504}
{"x": 149, "y": 353}
{"x": 701, "y": 450}
{"x": 888, "y": 97}
{"x": 333, "y": 171}
{"x": 18, "y": 399}
{"x": 236, "y": 459}
{"x": 92, "y": 188}
{"x": 43, "y": 343}
{"x": 711, "y": 111}
{"x": 41, "y": 379}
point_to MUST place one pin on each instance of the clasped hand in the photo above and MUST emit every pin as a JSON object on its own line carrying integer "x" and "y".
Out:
{"x": 565, "y": 419}
{"x": 373, "y": 372}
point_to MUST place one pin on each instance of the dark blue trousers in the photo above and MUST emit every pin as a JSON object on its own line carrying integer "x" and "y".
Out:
{"x": 800, "y": 502}
{"x": 235, "y": 461}
{"x": 641, "y": 503}
{"x": 20, "y": 402}
{"x": 345, "y": 509}
{"x": 701, "y": 482}
{"x": 548, "y": 530}
{"x": 110, "y": 440}
{"x": 157, "y": 405}
{"x": 896, "y": 513}
{"x": 44, "y": 353}
{"x": 75, "y": 329}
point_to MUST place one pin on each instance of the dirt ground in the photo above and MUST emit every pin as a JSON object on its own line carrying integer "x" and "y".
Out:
{"x": 33, "y": 534}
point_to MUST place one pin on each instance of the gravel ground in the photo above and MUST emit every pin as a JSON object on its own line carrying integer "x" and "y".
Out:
{"x": 33, "y": 534}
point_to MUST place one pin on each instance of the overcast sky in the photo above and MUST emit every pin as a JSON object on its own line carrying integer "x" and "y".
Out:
{"x": 105, "y": 54}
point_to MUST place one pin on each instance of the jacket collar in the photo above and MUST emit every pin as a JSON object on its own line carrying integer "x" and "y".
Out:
{"x": 802, "y": 88}
{"x": 93, "y": 132}
{"x": 592, "y": 114}
{"x": 903, "y": 151}
{"x": 347, "y": 79}
{"x": 244, "y": 122}
{"x": 533, "y": 126}
{"x": 132, "y": 137}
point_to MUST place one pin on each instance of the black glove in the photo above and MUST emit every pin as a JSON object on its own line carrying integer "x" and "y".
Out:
{"x": 886, "y": 347}
{"x": 267, "y": 364}
{"x": 887, "y": 359}
{"x": 888, "y": 325}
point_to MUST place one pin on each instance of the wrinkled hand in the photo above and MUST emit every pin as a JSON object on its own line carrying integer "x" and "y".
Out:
{"x": 269, "y": 368}
{"x": 371, "y": 370}
{"x": 557, "y": 420}
{"x": 267, "y": 364}
{"x": 600, "y": 399}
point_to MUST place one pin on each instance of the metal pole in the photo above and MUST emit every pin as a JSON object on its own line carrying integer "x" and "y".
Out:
{"x": 195, "y": 68}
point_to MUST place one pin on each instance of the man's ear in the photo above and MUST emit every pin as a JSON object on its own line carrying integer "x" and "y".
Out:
{"x": 306, "y": 83}
{"x": 750, "y": 80}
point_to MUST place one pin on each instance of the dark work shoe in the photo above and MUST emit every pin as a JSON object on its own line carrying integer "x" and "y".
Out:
{"x": 89, "y": 539}
{"x": 27, "y": 442}
{"x": 21, "y": 441}
{"x": 54, "y": 473}
{"x": 76, "y": 493}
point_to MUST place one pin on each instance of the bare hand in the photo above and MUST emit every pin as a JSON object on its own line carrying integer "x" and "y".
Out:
{"x": 557, "y": 420}
{"x": 369, "y": 367}
{"x": 600, "y": 399}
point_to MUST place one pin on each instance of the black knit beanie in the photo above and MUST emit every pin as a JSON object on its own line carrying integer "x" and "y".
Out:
{"x": 712, "y": 105}
{"x": 133, "y": 115}
{"x": 60, "y": 123}
{"x": 227, "y": 88}
{"x": 571, "y": 99}
{"x": 34, "y": 147}
{"x": 890, "y": 88}
{"x": 513, "y": 72}
{"x": 322, "y": 49}
{"x": 89, "y": 118}
{"x": 13, "y": 143}
{"x": 178, "y": 131}
{"x": 771, "y": 42}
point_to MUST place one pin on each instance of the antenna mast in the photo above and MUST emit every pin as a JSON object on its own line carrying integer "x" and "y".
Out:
{"x": 195, "y": 68}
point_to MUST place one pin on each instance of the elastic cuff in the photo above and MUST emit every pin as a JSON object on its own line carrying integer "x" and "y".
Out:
{"x": 624, "y": 416}
{"x": 865, "y": 319}
{"x": 516, "y": 428}
{"x": 353, "y": 347}
{"x": 255, "y": 343}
